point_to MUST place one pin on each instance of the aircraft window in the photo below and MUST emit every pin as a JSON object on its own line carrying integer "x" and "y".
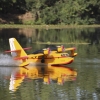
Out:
{"x": 64, "y": 55}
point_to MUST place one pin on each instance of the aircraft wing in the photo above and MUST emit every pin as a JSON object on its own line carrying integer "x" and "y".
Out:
{"x": 73, "y": 54}
{"x": 70, "y": 49}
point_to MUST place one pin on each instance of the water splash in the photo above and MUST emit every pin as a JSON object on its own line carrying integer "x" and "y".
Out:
{"x": 7, "y": 60}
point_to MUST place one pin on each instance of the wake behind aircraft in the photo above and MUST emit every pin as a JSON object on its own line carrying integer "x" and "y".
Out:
{"x": 57, "y": 55}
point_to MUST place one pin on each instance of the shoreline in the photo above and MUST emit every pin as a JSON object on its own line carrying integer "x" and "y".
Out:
{"x": 53, "y": 43}
{"x": 47, "y": 26}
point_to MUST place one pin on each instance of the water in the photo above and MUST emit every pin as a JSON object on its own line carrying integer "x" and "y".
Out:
{"x": 77, "y": 81}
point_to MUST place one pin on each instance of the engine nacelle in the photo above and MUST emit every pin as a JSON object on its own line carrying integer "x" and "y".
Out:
{"x": 60, "y": 48}
{"x": 46, "y": 51}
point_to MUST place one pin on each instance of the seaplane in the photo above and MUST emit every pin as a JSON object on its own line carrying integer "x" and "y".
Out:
{"x": 57, "y": 55}
{"x": 47, "y": 75}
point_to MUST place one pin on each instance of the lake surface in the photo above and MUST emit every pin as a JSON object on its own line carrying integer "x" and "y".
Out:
{"x": 77, "y": 81}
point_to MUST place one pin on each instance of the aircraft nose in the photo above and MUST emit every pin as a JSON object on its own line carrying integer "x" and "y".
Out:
{"x": 70, "y": 60}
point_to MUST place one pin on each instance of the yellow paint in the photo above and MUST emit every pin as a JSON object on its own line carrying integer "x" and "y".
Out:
{"x": 54, "y": 58}
{"x": 47, "y": 73}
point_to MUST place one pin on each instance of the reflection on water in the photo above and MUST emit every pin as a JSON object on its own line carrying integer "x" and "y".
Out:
{"x": 48, "y": 74}
{"x": 71, "y": 36}
{"x": 35, "y": 82}
{"x": 78, "y": 81}
{"x": 50, "y": 82}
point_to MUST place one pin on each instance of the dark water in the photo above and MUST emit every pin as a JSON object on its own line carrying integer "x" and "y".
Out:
{"x": 77, "y": 81}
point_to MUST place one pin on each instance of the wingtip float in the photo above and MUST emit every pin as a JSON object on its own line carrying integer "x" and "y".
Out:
{"x": 49, "y": 56}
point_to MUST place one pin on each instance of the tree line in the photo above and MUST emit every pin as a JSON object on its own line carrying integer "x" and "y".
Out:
{"x": 64, "y": 12}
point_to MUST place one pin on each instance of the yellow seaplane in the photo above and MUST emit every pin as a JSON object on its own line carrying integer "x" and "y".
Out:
{"x": 57, "y": 55}
{"x": 47, "y": 75}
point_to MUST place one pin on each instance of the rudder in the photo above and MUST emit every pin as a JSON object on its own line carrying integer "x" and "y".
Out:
{"x": 16, "y": 49}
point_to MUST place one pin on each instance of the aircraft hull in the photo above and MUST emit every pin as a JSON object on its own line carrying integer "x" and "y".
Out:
{"x": 52, "y": 61}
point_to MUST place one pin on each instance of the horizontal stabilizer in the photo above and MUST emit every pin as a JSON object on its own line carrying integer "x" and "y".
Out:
{"x": 24, "y": 64}
{"x": 12, "y": 51}
{"x": 19, "y": 58}
{"x": 28, "y": 48}
{"x": 8, "y": 51}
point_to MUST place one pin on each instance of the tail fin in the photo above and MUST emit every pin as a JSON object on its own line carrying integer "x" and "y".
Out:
{"x": 16, "y": 49}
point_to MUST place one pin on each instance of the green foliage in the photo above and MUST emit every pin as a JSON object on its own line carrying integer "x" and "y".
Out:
{"x": 76, "y": 12}
{"x": 30, "y": 22}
